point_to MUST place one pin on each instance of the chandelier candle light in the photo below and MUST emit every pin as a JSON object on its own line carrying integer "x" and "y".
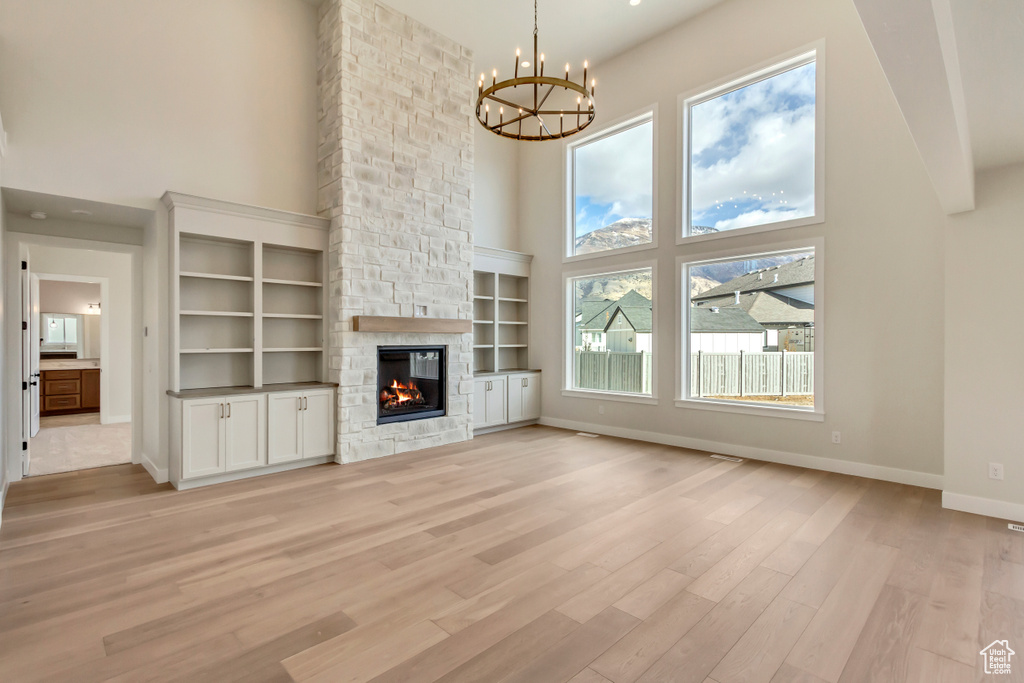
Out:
{"x": 518, "y": 92}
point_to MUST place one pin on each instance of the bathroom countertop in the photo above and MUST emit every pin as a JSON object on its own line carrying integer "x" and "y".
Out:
{"x": 69, "y": 364}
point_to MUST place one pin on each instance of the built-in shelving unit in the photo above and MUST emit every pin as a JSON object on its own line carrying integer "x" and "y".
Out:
{"x": 249, "y": 295}
{"x": 501, "y": 313}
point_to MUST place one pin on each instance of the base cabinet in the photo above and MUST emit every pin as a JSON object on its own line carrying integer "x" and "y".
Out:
{"x": 300, "y": 425}
{"x": 216, "y": 436}
{"x": 223, "y": 435}
{"x": 505, "y": 399}
{"x": 523, "y": 397}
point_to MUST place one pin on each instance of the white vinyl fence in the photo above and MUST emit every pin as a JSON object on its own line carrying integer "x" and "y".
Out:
{"x": 782, "y": 373}
{"x": 628, "y": 372}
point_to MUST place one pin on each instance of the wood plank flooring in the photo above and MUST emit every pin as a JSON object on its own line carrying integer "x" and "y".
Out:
{"x": 532, "y": 555}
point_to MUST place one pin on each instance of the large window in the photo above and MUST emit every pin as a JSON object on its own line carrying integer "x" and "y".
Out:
{"x": 750, "y": 331}
{"x": 751, "y": 160}
{"x": 612, "y": 332}
{"x": 612, "y": 189}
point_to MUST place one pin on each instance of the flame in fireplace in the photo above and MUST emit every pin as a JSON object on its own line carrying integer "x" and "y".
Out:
{"x": 399, "y": 395}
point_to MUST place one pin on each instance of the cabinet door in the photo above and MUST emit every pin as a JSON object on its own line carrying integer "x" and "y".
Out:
{"x": 245, "y": 431}
{"x": 497, "y": 401}
{"x": 284, "y": 427}
{"x": 479, "y": 403}
{"x": 202, "y": 438}
{"x": 531, "y": 397}
{"x": 515, "y": 398}
{"x": 90, "y": 388}
{"x": 317, "y": 423}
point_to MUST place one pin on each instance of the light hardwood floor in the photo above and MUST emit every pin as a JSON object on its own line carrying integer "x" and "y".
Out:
{"x": 533, "y": 555}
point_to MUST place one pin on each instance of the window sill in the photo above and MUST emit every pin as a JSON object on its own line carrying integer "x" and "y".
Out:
{"x": 610, "y": 396}
{"x": 759, "y": 410}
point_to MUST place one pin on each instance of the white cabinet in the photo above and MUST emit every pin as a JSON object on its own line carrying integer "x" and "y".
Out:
{"x": 505, "y": 399}
{"x": 222, "y": 434}
{"x": 523, "y": 397}
{"x": 489, "y": 402}
{"x": 300, "y": 425}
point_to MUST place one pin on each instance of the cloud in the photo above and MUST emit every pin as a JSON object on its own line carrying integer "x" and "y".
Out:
{"x": 617, "y": 172}
{"x": 755, "y": 147}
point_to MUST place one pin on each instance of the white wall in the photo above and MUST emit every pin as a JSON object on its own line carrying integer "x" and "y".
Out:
{"x": 122, "y": 100}
{"x": 116, "y": 381}
{"x": 495, "y": 190}
{"x": 57, "y": 296}
{"x": 4, "y": 475}
{"x": 883, "y": 234}
{"x": 984, "y": 411}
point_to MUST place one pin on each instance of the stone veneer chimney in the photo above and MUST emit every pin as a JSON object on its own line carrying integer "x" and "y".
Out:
{"x": 396, "y": 180}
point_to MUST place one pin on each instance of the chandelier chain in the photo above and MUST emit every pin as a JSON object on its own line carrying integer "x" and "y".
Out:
{"x": 535, "y": 18}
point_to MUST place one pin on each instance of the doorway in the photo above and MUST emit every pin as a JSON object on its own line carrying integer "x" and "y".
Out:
{"x": 72, "y": 427}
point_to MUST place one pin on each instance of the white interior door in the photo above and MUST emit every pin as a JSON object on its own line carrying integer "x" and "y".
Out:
{"x": 34, "y": 332}
{"x": 26, "y": 366}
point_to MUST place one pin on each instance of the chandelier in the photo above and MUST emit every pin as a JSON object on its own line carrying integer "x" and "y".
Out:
{"x": 536, "y": 107}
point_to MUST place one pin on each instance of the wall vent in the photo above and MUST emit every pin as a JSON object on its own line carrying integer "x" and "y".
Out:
{"x": 726, "y": 457}
{"x": 588, "y": 435}
{"x": 1015, "y": 527}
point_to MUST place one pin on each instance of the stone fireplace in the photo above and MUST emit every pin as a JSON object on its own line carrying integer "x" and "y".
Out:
{"x": 395, "y": 175}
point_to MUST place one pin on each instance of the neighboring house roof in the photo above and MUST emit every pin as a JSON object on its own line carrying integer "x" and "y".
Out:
{"x": 767, "y": 308}
{"x": 789, "y": 274}
{"x": 639, "y": 318}
{"x": 595, "y": 315}
{"x": 708, "y": 319}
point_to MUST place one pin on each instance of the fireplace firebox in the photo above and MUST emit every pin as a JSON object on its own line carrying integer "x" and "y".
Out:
{"x": 410, "y": 383}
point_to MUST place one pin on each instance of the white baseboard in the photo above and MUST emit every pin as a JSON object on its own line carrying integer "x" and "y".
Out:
{"x": 501, "y": 428}
{"x": 159, "y": 474}
{"x": 117, "y": 419}
{"x": 814, "y": 462}
{"x": 254, "y": 472}
{"x": 1000, "y": 509}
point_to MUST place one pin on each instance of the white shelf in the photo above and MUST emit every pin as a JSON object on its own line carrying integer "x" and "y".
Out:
{"x": 512, "y": 300}
{"x": 483, "y": 297}
{"x": 294, "y": 316}
{"x": 191, "y": 351}
{"x": 221, "y": 314}
{"x": 483, "y": 322}
{"x": 216, "y": 276}
{"x": 512, "y": 322}
{"x": 512, "y": 346}
{"x": 294, "y": 283}
{"x": 294, "y": 349}
{"x": 483, "y": 346}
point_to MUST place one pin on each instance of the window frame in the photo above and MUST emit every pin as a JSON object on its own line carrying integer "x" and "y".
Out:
{"x": 682, "y": 375}
{"x": 815, "y": 52}
{"x": 636, "y": 118}
{"x": 569, "y": 333}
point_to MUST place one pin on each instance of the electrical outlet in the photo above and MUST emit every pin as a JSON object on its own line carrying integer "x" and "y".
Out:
{"x": 837, "y": 437}
{"x": 600, "y": 410}
{"x": 995, "y": 470}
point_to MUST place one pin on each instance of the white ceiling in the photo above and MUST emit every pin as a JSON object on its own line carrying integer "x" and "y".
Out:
{"x": 24, "y": 202}
{"x": 570, "y": 30}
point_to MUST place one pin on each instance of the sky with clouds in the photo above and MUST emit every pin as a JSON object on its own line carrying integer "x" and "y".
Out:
{"x": 752, "y": 157}
{"x": 614, "y": 178}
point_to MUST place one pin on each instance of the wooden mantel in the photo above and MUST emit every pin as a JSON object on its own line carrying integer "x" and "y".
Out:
{"x": 378, "y": 323}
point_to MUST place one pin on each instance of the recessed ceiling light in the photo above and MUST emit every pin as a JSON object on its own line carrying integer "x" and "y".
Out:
{"x": 634, "y": 3}
{"x": 81, "y": 212}
{"x": 38, "y": 215}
